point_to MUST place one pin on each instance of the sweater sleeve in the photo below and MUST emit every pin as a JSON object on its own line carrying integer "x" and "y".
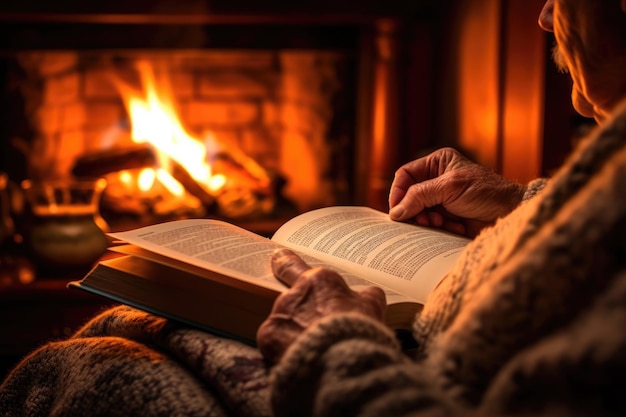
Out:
{"x": 534, "y": 187}
{"x": 350, "y": 365}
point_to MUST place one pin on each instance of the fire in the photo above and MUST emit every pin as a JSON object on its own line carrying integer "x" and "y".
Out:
{"x": 170, "y": 182}
{"x": 146, "y": 179}
{"x": 154, "y": 121}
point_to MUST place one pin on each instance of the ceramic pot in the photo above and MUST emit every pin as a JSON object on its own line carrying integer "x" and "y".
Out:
{"x": 65, "y": 228}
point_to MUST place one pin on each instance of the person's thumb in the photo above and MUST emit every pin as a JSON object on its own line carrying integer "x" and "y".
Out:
{"x": 419, "y": 196}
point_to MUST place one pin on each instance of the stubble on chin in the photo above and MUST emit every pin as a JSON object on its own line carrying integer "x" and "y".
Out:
{"x": 579, "y": 101}
{"x": 559, "y": 60}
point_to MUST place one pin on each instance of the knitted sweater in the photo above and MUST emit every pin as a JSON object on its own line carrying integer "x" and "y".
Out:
{"x": 529, "y": 322}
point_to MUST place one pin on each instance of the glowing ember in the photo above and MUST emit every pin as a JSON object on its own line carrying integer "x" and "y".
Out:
{"x": 217, "y": 182}
{"x": 146, "y": 179}
{"x": 170, "y": 182}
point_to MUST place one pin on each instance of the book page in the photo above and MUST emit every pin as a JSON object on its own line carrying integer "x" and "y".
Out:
{"x": 210, "y": 244}
{"x": 408, "y": 259}
{"x": 226, "y": 249}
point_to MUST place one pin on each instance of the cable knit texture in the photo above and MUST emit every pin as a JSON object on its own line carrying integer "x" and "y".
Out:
{"x": 129, "y": 363}
{"x": 530, "y": 321}
{"x": 533, "y": 188}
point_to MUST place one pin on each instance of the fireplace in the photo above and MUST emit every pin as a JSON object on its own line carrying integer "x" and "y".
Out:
{"x": 299, "y": 104}
{"x": 260, "y": 121}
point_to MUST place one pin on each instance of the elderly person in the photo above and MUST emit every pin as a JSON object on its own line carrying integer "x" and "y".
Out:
{"x": 529, "y": 322}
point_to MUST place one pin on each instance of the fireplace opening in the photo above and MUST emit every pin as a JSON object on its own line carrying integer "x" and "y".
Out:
{"x": 231, "y": 133}
{"x": 244, "y": 134}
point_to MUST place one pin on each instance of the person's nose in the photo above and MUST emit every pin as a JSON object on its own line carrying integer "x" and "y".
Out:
{"x": 545, "y": 17}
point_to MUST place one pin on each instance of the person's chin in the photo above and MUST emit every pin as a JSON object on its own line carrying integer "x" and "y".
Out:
{"x": 582, "y": 106}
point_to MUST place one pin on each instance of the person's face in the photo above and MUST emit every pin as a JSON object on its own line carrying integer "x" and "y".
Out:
{"x": 590, "y": 45}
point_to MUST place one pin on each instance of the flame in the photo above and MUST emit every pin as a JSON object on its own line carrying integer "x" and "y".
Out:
{"x": 170, "y": 182}
{"x": 217, "y": 182}
{"x": 146, "y": 179}
{"x": 154, "y": 120}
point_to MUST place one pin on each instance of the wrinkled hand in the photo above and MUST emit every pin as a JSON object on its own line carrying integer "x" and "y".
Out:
{"x": 446, "y": 190}
{"x": 314, "y": 293}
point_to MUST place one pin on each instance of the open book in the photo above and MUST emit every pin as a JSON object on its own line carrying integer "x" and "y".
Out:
{"x": 218, "y": 276}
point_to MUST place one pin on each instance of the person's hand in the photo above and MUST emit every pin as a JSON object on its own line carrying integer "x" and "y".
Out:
{"x": 314, "y": 293}
{"x": 448, "y": 191}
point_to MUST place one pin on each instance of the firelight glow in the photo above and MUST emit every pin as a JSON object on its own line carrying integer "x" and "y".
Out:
{"x": 154, "y": 120}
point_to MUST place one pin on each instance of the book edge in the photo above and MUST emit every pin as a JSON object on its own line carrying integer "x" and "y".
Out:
{"x": 80, "y": 285}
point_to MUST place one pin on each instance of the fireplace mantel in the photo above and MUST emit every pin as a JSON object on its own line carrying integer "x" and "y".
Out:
{"x": 36, "y": 24}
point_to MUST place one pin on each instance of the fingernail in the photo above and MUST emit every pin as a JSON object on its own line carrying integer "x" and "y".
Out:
{"x": 396, "y": 212}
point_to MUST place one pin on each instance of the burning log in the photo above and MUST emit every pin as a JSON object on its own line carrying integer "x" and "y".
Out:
{"x": 191, "y": 185}
{"x": 103, "y": 162}
{"x": 107, "y": 161}
{"x": 247, "y": 191}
